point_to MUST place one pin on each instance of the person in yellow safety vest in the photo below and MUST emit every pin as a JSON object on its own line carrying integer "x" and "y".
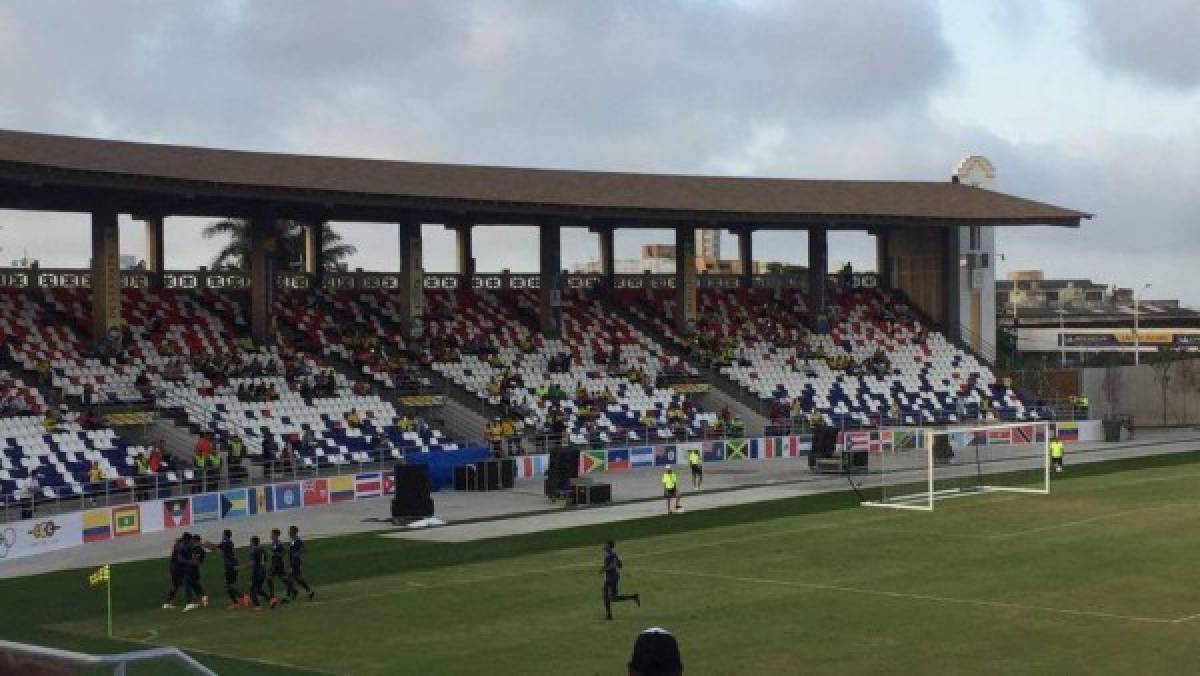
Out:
{"x": 670, "y": 483}
{"x": 696, "y": 462}
{"x": 1056, "y": 453}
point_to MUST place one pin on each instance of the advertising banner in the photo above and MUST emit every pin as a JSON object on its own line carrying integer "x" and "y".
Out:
{"x": 37, "y": 536}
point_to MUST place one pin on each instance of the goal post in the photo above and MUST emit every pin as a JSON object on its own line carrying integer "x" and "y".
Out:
{"x": 914, "y": 468}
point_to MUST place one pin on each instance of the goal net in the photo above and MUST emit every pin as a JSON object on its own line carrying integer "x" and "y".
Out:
{"x": 914, "y": 468}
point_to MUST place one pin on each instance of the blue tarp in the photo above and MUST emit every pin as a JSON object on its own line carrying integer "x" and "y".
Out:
{"x": 442, "y": 463}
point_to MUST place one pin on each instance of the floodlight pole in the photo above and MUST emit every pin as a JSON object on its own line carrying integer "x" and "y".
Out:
{"x": 1137, "y": 345}
{"x": 1062, "y": 339}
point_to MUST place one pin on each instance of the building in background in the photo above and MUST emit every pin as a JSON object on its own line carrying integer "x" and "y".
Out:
{"x": 1077, "y": 320}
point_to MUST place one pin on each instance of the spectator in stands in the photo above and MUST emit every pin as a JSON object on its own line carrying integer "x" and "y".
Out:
{"x": 353, "y": 419}
{"x": 141, "y": 479}
{"x": 95, "y": 477}
{"x": 155, "y": 460}
{"x": 29, "y": 492}
{"x": 381, "y": 447}
{"x": 51, "y": 421}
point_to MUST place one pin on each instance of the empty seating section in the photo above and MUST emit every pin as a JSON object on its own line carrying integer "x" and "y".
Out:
{"x": 877, "y": 362}
{"x": 61, "y": 459}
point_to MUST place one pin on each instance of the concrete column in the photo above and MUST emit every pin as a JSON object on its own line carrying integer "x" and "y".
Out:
{"x": 550, "y": 267}
{"x": 155, "y": 250}
{"x": 745, "y": 241}
{"x": 312, "y": 247}
{"x": 264, "y": 239}
{"x": 883, "y": 259}
{"x": 464, "y": 253}
{"x": 952, "y": 273}
{"x": 106, "y": 274}
{"x": 685, "y": 276}
{"x": 412, "y": 270}
{"x": 606, "y": 236}
{"x": 818, "y": 268}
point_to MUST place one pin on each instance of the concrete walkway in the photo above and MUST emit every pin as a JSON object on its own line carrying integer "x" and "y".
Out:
{"x": 472, "y": 516}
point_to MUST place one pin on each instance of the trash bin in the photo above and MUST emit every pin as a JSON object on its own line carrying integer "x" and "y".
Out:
{"x": 1112, "y": 429}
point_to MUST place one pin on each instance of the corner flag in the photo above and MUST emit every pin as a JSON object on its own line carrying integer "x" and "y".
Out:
{"x": 103, "y": 576}
{"x": 100, "y": 576}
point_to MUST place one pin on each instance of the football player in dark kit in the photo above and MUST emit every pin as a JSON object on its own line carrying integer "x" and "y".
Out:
{"x": 296, "y": 552}
{"x": 278, "y": 552}
{"x": 191, "y": 575}
{"x": 611, "y": 569}
{"x": 179, "y": 554}
{"x": 258, "y": 573}
{"x": 229, "y": 558}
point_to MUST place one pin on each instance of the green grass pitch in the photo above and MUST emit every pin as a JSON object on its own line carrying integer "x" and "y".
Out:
{"x": 1101, "y": 576}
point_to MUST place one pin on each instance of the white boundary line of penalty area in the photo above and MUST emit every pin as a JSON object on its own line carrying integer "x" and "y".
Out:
{"x": 1092, "y": 519}
{"x": 151, "y": 634}
{"x": 916, "y": 597}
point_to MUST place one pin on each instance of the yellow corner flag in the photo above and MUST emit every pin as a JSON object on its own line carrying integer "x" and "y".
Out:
{"x": 103, "y": 576}
{"x": 100, "y": 576}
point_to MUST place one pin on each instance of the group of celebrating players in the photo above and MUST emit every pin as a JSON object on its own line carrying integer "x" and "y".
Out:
{"x": 276, "y": 561}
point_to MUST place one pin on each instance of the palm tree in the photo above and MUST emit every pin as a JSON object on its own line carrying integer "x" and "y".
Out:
{"x": 289, "y": 254}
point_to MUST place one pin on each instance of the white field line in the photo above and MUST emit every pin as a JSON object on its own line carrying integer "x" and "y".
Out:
{"x": 1091, "y": 519}
{"x": 916, "y": 597}
{"x": 211, "y": 653}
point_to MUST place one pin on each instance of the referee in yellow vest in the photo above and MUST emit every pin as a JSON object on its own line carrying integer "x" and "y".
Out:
{"x": 696, "y": 463}
{"x": 1056, "y": 453}
{"x": 670, "y": 483}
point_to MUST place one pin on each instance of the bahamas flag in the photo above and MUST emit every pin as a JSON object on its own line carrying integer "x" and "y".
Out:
{"x": 235, "y": 504}
{"x": 593, "y": 461}
{"x": 341, "y": 488}
{"x": 736, "y": 449}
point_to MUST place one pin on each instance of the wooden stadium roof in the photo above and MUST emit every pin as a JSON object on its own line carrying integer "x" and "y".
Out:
{"x": 41, "y": 171}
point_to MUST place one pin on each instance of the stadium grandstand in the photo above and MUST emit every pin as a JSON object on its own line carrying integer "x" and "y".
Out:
{"x": 318, "y": 368}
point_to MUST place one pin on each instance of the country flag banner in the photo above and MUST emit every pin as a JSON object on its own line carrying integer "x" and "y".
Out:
{"x": 259, "y": 500}
{"x": 235, "y": 504}
{"x": 711, "y": 451}
{"x": 1067, "y": 431}
{"x": 754, "y": 448}
{"x": 618, "y": 460}
{"x": 1000, "y": 436}
{"x": 735, "y": 449}
{"x": 389, "y": 483}
{"x": 666, "y": 455}
{"x": 857, "y": 441}
{"x": 287, "y": 496}
{"x": 177, "y": 513}
{"x": 641, "y": 457}
{"x": 126, "y": 520}
{"x": 368, "y": 485}
{"x": 903, "y": 439}
{"x": 593, "y": 461}
{"x": 206, "y": 507}
{"x": 151, "y": 516}
{"x": 316, "y": 492}
{"x": 341, "y": 488}
{"x": 1024, "y": 434}
{"x": 96, "y": 525}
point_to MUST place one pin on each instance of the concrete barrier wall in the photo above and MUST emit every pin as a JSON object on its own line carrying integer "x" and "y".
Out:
{"x": 1138, "y": 391}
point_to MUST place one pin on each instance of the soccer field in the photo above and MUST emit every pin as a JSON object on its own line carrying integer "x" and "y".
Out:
{"x": 1101, "y": 576}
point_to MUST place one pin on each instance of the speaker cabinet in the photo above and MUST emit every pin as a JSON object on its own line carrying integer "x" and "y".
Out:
{"x": 412, "y": 492}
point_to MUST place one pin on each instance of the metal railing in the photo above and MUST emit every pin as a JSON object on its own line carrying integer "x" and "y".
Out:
{"x": 35, "y": 277}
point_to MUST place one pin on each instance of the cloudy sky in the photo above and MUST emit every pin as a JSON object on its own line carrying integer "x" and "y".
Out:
{"x": 1090, "y": 104}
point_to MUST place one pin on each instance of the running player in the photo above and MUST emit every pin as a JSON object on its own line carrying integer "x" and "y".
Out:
{"x": 611, "y": 570}
{"x": 229, "y": 558}
{"x": 696, "y": 462}
{"x": 278, "y": 551}
{"x": 179, "y": 554}
{"x": 258, "y": 573}
{"x": 195, "y": 591}
{"x": 296, "y": 565}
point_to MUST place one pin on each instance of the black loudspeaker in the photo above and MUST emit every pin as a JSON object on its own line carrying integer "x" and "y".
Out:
{"x": 564, "y": 463}
{"x": 593, "y": 494}
{"x": 508, "y": 472}
{"x": 412, "y": 492}
{"x": 824, "y": 441}
{"x": 464, "y": 478}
